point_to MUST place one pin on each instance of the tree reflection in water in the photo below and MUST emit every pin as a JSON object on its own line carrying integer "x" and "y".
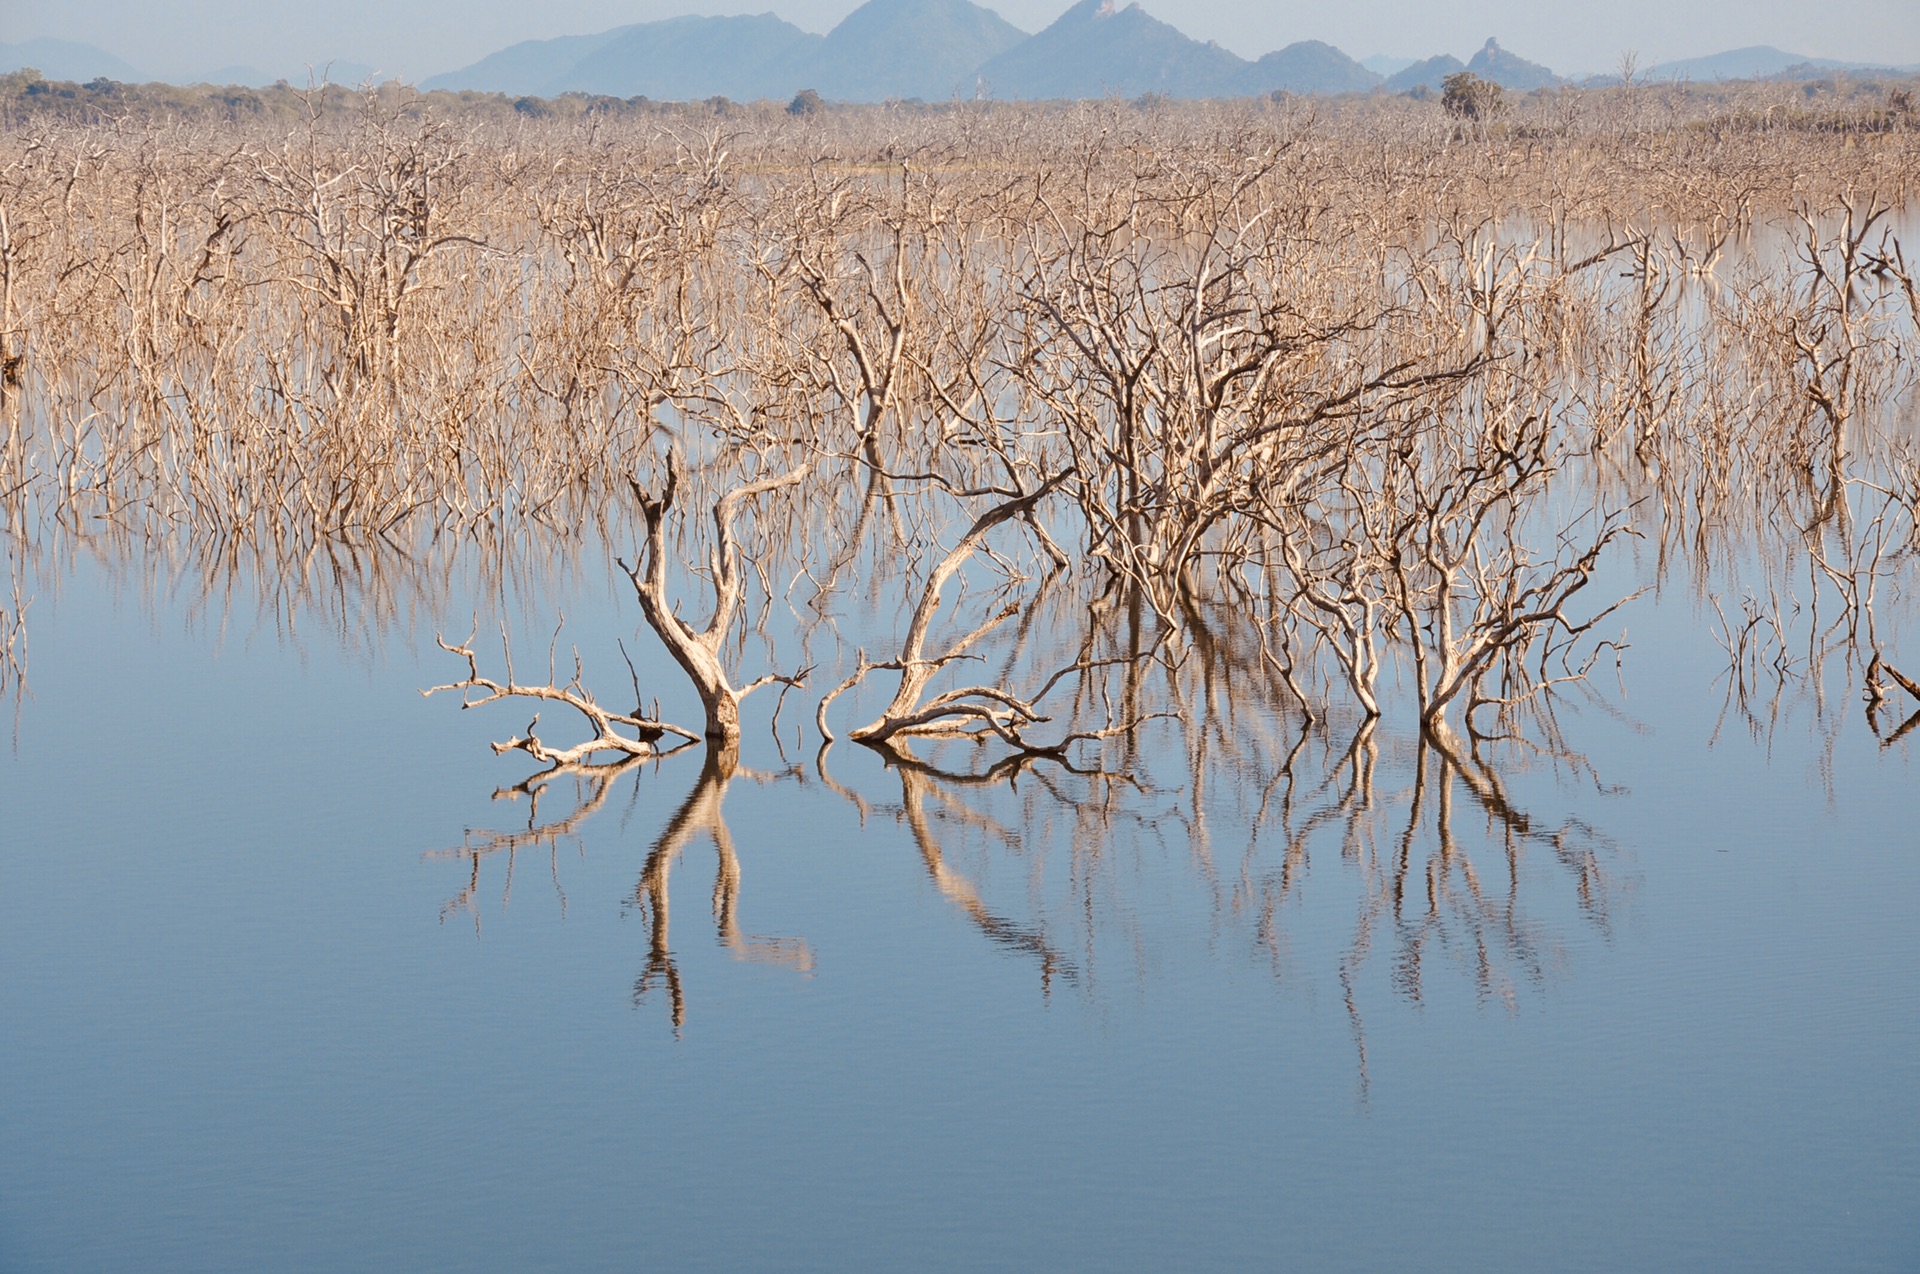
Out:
{"x": 918, "y": 781}
{"x": 1421, "y": 880}
{"x": 701, "y": 814}
{"x": 593, "y": 784}
{"x": 1427, "y": 831}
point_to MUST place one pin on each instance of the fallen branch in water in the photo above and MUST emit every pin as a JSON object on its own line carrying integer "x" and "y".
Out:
{"x": 1901, "y": 679}
{"x": 647, "y": 731}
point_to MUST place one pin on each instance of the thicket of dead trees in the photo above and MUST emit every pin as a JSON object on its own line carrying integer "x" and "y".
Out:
{"x": 1376, "y": 391}
{"x": 1137, "y": 443}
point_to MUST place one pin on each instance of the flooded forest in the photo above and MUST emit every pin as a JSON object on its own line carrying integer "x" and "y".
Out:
{"x": 1267, "y": 556}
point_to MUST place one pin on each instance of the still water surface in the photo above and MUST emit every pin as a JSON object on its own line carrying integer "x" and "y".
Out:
{"x": 264, "y": 1006}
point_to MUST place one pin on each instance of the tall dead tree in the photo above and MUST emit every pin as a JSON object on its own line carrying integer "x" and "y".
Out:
{"x": 697, "y": 650}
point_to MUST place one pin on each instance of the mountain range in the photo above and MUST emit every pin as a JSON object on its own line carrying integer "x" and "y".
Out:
{"x": 937, "y": 49}
{"x": 934, "y": 50}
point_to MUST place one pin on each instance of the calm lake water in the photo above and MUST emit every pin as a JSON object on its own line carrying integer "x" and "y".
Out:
{"x": 265, "y": 1004}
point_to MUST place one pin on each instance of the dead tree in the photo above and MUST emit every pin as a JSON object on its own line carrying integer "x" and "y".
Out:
{"x": 1471, "y": 599}
{"x": 1339, "y": 591}
{"x": 697, "y": 651}
{"x": 977, "y": 710}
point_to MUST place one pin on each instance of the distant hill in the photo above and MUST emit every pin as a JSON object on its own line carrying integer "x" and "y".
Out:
{"x": 680, "y": 59}
{"x": 1094, "y": 49}
{"x": 65, "y": 60}
{"x": 1306, "y": 67}
{"x": 927, "y": 49}
{"x": 532, "y": 66}
{"x": 1510, "y": 70}
{"x": 1755, "y": 62}
{"x": 1492, "y": 62}
{"x": 1751, "y": 63}
{"x": 1427, "y": 74}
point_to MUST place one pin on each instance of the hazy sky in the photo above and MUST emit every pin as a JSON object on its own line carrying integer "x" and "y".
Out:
{"x": 417, "y": 38}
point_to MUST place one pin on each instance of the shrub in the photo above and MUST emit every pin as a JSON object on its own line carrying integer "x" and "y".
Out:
{"x": 1466, "y": 96}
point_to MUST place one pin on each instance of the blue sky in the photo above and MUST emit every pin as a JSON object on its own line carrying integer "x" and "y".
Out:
{"x": 417, "y": 38}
